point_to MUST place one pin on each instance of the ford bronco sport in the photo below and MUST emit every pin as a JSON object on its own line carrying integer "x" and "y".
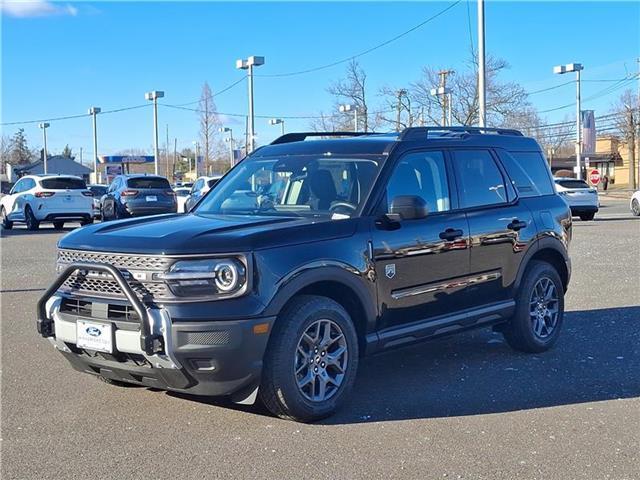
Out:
{"x": 312, "y": 253}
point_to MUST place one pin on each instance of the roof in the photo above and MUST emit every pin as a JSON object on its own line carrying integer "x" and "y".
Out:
{"x": 379, "y": 144}
{"x": 56, "y": 164}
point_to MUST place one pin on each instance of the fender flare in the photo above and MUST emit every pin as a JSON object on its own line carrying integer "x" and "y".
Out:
{"x": 545, "y": 243}
{"x": 324, "y": 271}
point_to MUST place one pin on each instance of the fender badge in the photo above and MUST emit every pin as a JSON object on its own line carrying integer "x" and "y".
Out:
{"x": 390, "y": 270}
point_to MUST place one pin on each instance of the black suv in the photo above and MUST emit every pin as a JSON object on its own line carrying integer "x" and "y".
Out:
{"x": 310, "y": 254}
{"x": 137, "y": 195}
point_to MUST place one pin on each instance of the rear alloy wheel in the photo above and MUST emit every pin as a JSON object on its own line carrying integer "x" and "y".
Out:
{"x": 6, "y": 223}
{"x": 58, "y": 225}
{"x": 311, "y": 360}
{"x": 535, "y": 325}
{"x": 30, "y": 218}
{"x": 635, "y": 207}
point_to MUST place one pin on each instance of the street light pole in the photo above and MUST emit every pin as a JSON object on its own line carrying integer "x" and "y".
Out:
{"x": 230, "y": 140}
{"x": 93, "y": 111}
{"x": 348, "y": 108}
{"x": 568, "y": 68}
{"x": 195, "y": 162}
{"x": 482, "y": 111}
{"x": 278, "y": 121}
{"x": 44, "y": 127}
{"x": 154, "y": 96}
{"x": 248, "y": 64}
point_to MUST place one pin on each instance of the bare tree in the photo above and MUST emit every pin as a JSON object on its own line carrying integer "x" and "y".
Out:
{"x": 209, "y": 124}
{"x": 503, "y": 99}
{"x": 352, "y": 90}
{"x": 626, "y": 121}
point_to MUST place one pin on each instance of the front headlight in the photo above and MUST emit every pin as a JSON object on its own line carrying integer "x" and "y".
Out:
{"x": 210, "y": 277}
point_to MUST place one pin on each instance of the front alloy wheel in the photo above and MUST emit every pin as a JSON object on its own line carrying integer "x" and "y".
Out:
{"x": 635, "y": 207}
{"x": 321, "y": 360}
{"x": 311, "y": 360}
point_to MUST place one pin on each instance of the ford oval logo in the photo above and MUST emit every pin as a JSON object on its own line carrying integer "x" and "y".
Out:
{"x": 93, "y": 331}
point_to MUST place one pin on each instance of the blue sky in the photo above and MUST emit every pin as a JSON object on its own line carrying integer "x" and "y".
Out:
{"x": 60, "y": 58}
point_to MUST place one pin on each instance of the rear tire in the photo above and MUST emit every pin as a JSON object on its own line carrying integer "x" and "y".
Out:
{"x": 58, "y": 225}
{"x": 635, "y": 207}
{"x": 536, "y": 323}
{"x": 30, "y": 218}
{"x": 311, "y": 361}
{"x": 587, "y": 216}
{"x": 6, "y": 223}
{"x": 86, "y": 222}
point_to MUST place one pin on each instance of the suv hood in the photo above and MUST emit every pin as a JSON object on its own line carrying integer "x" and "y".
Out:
{"x": 180, "y": 234}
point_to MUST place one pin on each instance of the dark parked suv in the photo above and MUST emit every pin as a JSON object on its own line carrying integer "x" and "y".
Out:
{"x": 309, "y": 255}
{"x": 137, "y": 195}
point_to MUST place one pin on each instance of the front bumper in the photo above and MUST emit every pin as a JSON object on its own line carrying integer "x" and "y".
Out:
{"x": 211, "y": 358}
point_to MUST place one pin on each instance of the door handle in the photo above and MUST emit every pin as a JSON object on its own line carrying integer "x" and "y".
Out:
{"x": 451, "y": 234}
{"x": 516, "y": 225}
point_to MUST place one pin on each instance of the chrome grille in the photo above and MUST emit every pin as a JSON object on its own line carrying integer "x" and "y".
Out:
{"x": 106, "y": 286}
{"x": 118, "y": 260}
{"x": 101, "y": 287}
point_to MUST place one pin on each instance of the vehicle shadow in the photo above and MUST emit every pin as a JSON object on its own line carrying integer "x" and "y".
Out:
{"x": 596, "y": 358}
{"x": 43, "y": 230}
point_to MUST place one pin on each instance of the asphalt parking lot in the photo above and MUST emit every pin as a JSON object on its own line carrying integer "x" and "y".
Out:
{"x": 463, "y": 407}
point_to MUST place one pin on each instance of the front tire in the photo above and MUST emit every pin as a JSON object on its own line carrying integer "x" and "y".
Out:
{"x": 587, "y": 216}
{"x": 635, "y": 207}
{"x": 6, "y": 223}
{"x": 536, "y": 323}
{"x": 311, "y": 361}
{"x": 30, "y": 218}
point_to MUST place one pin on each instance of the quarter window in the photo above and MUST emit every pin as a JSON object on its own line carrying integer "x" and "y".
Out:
{"x": 479, "y": 179}
{"x": 424, "y": 175}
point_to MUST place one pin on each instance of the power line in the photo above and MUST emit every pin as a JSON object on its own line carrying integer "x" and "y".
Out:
{"x": 550, "y": 88}
{"x": 225, "y": 89}
{"x": 369, "y": 50}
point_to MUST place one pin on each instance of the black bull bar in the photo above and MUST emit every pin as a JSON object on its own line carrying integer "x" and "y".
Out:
{"x": 149, "y": 343}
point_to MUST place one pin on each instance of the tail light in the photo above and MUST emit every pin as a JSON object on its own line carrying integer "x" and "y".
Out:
{"x": 129, "y": 193}
{"x": 87, "y": 193}
{"x": 45, "y": 194}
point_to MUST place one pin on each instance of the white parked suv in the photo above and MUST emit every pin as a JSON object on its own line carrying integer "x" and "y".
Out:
{"x": 634, "y": 204}
{"x": 47, "y": 198}
{"x": 582, "y": 199}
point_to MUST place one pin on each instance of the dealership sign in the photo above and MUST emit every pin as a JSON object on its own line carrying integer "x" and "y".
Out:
{"x": 126, "y": 158}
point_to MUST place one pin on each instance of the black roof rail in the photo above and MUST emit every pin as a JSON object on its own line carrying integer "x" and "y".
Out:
{"x": 301, "y": 136}
{"x": 420, "y": 133}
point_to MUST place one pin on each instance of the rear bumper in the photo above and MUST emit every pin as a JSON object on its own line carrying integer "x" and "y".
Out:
{"x": 139, "y": 211}
{"x": 67, "y": 217}
{"x": 582, "y": 209}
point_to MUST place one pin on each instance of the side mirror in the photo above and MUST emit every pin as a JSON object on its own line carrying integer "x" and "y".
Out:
{"x": 409, "y": 207}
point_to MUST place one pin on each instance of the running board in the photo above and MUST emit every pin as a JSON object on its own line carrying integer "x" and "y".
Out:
{"x": 443, "y": 325}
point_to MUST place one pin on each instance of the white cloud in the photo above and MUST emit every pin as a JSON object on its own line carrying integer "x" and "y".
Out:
{"x": 36, "y": 8}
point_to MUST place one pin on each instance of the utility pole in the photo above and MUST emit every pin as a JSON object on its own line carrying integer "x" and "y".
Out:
{"x": 632, "y": 148}
{"x": 80, "y": 155}
{"x": 446, "y": 96}
{"x": 175, "y": 156}
{"x": 166, "y": 152}
{"x": 482, "y": 112}
{"x": 94, "y": 111}
{"x": 154, "y": 96}
{"x": 44, "y": 127}
{"x": 400, "y": 93}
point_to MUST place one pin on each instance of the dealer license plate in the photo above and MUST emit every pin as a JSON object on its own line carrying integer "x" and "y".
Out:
{"x": 94, "y": 336}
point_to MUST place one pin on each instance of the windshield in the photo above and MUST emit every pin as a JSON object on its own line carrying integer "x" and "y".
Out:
{"x": 302, "y": 185}
{"x": 98, "y": 191}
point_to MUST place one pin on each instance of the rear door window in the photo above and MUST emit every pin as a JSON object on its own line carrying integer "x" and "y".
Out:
{"x": 528, "y": 171}
{"x": 143, "y": 182}
{"x": 63, "y": 184}
{"x": 480, "y": 182}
